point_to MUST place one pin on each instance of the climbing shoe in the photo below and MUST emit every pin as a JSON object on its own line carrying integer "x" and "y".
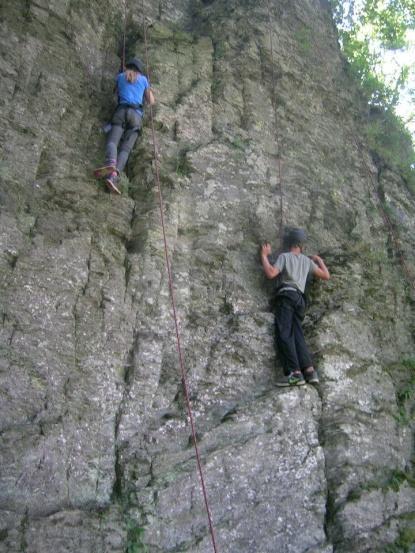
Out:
{"x": 111, "y": 183}
{"x": 106, "y": 170}
{"x": 293, "y": 379}
{"x": 311, "y": 377}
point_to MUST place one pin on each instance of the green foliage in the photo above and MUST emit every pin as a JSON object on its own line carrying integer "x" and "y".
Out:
{"x": 392, "y": 481}
{"x": 390, "y": 20}
{"x": 362, "y": 64}
{"x": 304, "y": 39}
{"x": 365, "y": 34}
{"x": 388, "y": 137}
{"x": 124, "y": 184}
{"x": 183, "y": 166}
{"x": 403, "y": 374}
{"x": 404, "y": 543}
{"x": 367, "y": 30}
{"x": 134, "y": 538}
{"x": 397, "y": 478}
{"x": 217, "y": 87}
{"x": 219, "y": 50}
{"x": 409, "y": 363}
{"x": 239, "y": 143}
{"x": 407, "y": 392}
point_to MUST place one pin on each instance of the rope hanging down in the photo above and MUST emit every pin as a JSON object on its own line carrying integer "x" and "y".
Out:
{"x": 173, "y": 303}
{"x": 277, "y": 135}
{"x": 124, "y": 37}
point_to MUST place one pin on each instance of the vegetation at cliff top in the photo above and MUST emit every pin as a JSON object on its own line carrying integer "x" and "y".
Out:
{"x": 369, "y": 31}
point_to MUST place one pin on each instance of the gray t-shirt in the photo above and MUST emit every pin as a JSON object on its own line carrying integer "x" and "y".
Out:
{"x": 294, "y": 271}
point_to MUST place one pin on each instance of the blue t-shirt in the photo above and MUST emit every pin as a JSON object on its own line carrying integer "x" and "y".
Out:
{"x": 131, "y": 93}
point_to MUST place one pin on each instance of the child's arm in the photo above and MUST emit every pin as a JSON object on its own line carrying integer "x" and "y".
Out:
{"x": 270, "y": 270}
{"x": 149, "y": 96}
{"x": 321, "y": 271}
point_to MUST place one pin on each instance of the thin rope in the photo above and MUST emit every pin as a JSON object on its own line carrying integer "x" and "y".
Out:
{"x": 277, "y": 134}
{"x": 387, "y": 221}
{"x": 174, "y": 310}
{"x": 375, "y": 192}
{"x": 124, "y": 35}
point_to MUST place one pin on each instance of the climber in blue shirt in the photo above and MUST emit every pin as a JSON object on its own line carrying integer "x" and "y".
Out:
{"x": 133, "y": 91}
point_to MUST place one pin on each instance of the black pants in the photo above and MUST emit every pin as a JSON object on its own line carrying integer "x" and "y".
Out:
{"x": 126, "y": 125}
{"x": 289, "y": 313}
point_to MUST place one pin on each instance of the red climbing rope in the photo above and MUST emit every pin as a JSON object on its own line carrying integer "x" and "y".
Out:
{"x": 173, "y": 303}
{"x": 277, "y": 135}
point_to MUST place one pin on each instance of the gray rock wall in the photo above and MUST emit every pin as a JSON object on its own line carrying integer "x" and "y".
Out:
{"x": 96, "y": 453}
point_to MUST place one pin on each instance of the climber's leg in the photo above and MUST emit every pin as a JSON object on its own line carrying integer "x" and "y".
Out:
{"x": 133, "y": 127}
{"x": 113, "y": 139}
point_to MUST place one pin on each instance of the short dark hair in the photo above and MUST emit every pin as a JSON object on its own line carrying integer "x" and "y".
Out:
{"x": 295, "y": 237}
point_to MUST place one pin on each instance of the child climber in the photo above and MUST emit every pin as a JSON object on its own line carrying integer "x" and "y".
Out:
{"x": 293, "y": 269}
{"x": 133, "y": 91}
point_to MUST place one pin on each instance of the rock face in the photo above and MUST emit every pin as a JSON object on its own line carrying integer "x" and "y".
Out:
{"x": 257, "y": 126}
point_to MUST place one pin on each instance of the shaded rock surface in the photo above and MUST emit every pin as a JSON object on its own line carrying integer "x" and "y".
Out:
{"x": 96, "y": 454}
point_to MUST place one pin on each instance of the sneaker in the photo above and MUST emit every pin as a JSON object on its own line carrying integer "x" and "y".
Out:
{"x": 111, "y": 183}
{"x": 293, "y": 379}
{"x": 311, "y": 377}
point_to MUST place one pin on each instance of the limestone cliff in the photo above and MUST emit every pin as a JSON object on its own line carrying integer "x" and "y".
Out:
{"x": 255, "y": 113}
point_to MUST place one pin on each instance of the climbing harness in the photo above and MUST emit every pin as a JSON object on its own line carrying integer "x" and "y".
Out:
{"x": 172, "y": 295}
{"x": 277, "y": 134}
